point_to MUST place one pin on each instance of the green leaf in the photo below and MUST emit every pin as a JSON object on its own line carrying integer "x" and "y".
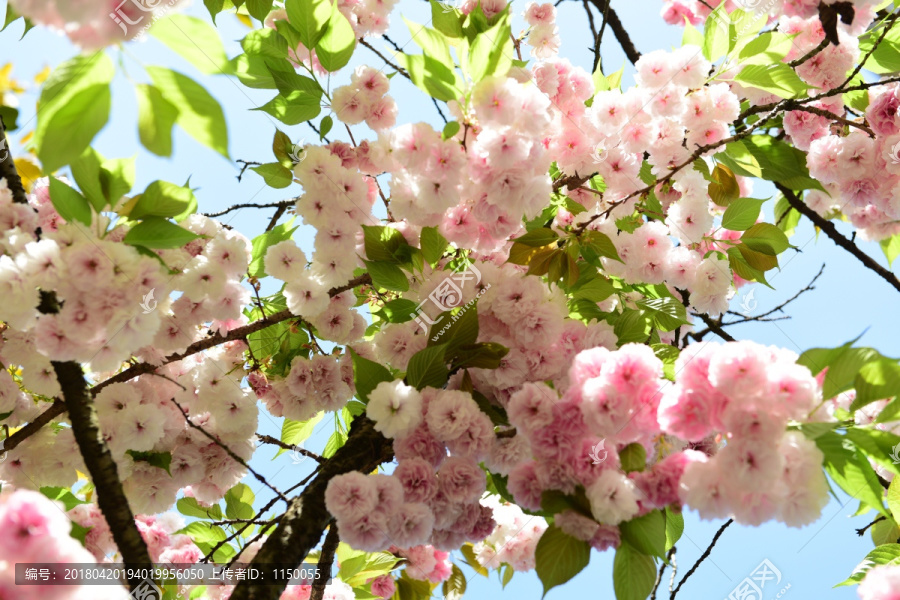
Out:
{"x": 297, "y": 432}
{"x": 214, "y": 7}
{"x": 86, "y": 171}
{"x": 239, "y": 502}
{"x": 449, "y": 22}
{"x": 387, "y": 276}
{"x": 74, "y": 106}
{"x": 204, "y": 533}
{"x": 886, "y": 554}
{"x": 891, "y": 248}
{"x": 265, "y": 42}
{"x": 432, "y": 42}
{"x": 70, "y": 205}
{"x": 646, "y": 534}
{"x": 595, "y": 244}
{"x": 537, "y": 238}
{"x": 309, "y": 18}
{"x": 484, "y": 355}
{"x": 263, "y": 241}
{"x": 400, "y": 310}
{"x": 765, "y": 157}
{"x": 850, "y": 470}
{"x": 786, "y": 218}
{"x": 633, "y": 457}
{"x": 491, "y": 52}
{"x": 64, "y": 495}
{"x": 63, "y": 135}
{"x": 427, "y": 368}
{"x": 716, "y": 35}
{"x": 164, "y": 199}
{"x": 559, "y": 557}
{"x": 723, "y": 189}
{"x": 633, "y": 574}
{"x": 450, "y": 129}
{"x": 195, "y": 40}
{"x": 433, "y": 77}
{"x": 160, "y": 460}
{"x": 334, "y": 443}
{"x": 384, "y": 244}
{"x": 433, "y": 244}
{"x": 775, "y": 78}
{"x": 455, "y": 586}
{"x": 191, "y": 508}
{"x": 631, "y": 326}
{"x": 766, "y": 239}
{"x": 79, "y": 533}
{"x": 742, "y": 214}
{"x": 158, "y": 233}
{"x": 300, "y": 107}
{"x": 367, "y": 375}
{"x": 275, "y": 175}
{"x": 876, "y": 380}
{"x": 337, "y": 44}
{"x": 597, "y": 289}
{"x": 674, "y": 527}
{"x": 259, "y": 9}
{"x": 667, "y": 314}
{"x": 156, "y": 118}
{"x": 766, "y": 48}
{"x": 199, "y": 114}
{"x": 325, "y": 126}
{"x": 893, "y": 498}
{"x": 877, "y": 445}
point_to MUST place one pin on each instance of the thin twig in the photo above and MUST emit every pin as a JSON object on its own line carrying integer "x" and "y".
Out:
{"x": 247, "y": 164}
{"x": 396, "y": 67}
{"x": 796, "y": 63}
{"x": 861, "y": 531}
{"x": 703, "y": 557}
{"x": 268, "y": 439}
{"x": 831, "y": 231}
{"x": 283, "y": 203}
{"x": 229, "y": 451}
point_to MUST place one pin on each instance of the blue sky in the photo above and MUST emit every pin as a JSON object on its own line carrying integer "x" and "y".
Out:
{"x": 848, "y": 299}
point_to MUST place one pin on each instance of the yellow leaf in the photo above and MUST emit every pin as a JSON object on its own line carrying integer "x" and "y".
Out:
{"x": 245, "y": 20}
{"x": 29, "y": 172}
{"x": 27, "y": 137}
{"x": 7, "y": 83}
{"x": 41, "y": 77}
{"x": 125, "y": 209}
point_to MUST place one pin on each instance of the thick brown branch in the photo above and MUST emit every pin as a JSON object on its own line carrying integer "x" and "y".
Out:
{"x": 326, "y": 560}
{"x": 618, "y": 29}
{"x": 8, "y": 169}
{"x": 831, "y": 231}
{"x": 301, "y": 528}
{"x": 101, "y": 466}
{"x": 268, "y": 439}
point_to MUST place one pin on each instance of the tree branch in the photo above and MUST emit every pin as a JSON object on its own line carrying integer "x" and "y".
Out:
{"x": 831, "y": 231}
{"x": 283, "y": 203}
{"x": 8, "y": 169}
{"x": 268, "y": 439}
{"x": 58, "y": 408}
{"x": 618, "y": 29}
{"x": 703, "y": 557}
{"x": 300, "y": 529}
{"x": 326, "y": 560}
{"x": 100, "y": 464}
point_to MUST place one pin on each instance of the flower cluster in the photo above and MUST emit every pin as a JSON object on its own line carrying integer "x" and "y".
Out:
{"x": 430, "y": 497}
{"x": 365, "y": 99}
{"x": 34, "y": 529}
{"x": 514, "y": 539}
{"x": 93, "y": 24}
{"x": 544, "y": 34}
{"x": 882, "y": 582}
